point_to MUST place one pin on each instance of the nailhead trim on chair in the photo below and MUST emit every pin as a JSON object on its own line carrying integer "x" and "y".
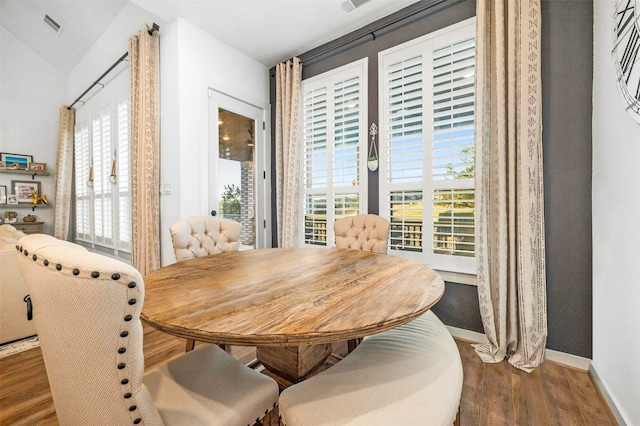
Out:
{"x": 123, "y": 334}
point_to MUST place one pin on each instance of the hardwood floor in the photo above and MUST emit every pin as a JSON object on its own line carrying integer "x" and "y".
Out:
{"x": 493, "y": 394}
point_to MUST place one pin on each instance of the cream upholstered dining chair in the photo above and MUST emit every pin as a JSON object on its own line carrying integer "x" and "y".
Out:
{"x": 87, "y": 313}
{"x": 204, "y": 235}
{"x": 362, "y": 232}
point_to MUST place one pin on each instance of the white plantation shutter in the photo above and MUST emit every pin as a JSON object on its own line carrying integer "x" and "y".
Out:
{"x": 346, "y": 132}
{"x": 123, "y": 218}
{"x": 103, "y": 210}
{"x": 453, "y": 149}
{"x": 427, "y": 147}
{"x": 404, "y": 120}
{"x": 333, "y": 149}
{"x": 82, "y": 156}
{"x": 315, "y": 138}
{"x": 315, "y": 219}
{"x": 102, "y": 203}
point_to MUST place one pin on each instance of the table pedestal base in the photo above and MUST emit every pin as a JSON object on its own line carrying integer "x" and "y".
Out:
{"x": 292, "y": 364}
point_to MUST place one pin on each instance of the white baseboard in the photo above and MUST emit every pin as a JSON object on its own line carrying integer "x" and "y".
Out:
{"x": 472, "y": 336}
{"x": 570, "y": 360}
{"x": 604, "y": 389}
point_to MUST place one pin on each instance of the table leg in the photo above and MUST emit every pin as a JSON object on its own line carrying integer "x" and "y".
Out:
{"x": 190, "y": 345}
{"x": 292, "y": 363}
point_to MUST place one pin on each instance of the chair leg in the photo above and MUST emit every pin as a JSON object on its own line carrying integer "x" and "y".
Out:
{"x": 190, "y": 345}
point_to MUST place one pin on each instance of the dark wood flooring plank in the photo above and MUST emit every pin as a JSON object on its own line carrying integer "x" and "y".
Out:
{"x": 498, "y": 395}
{"x": 529, "y": 407}
{"x": 589, "y": 399}
{"x": 562, "y": 405}
{"x": 472, "y": 385}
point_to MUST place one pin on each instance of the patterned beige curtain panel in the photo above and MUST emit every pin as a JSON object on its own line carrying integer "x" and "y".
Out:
{"x": 288, "y": 79}
{"x": 64, "y": 174}
{"x": 509, "y": 189}
{"x": 144, "y": 51}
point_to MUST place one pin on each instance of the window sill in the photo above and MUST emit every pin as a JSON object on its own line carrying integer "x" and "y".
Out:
{"x": 458, "y": 277}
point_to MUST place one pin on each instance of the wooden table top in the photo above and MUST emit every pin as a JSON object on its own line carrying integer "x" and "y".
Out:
{"x": 284, "y": 297}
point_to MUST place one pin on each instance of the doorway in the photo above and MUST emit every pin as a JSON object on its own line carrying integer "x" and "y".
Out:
{"x": 237, "y": 172}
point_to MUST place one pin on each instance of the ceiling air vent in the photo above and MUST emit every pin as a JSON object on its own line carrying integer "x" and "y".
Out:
{"x": 52, "y": 24}
{"x": 351, "y": 5}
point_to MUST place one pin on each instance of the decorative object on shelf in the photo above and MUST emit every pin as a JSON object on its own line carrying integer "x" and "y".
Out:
{"x": 16, "y": 161}
{"x": 12, "y": 199}
{"x": 10, "y": 217}
{"x": 38, "y": 167}
{"x": 372, "y": 162}
{"x": 24, "y": 190}
{"x": 29, "y": 218}
{"x": 112, "y": 177}
{"x": 3, "y": 165}
{"x": 37, "y": 199}
{"x": 3, "y": 194}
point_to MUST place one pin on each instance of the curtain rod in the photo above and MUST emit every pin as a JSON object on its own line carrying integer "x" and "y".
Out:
{"x": 155, "y": 27}
{"x": 371, "y": 32}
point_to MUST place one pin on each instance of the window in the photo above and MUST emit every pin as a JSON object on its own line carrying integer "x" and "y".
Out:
{"x": 102, "y": 178}
{"x": 334, "y": 147}
{"x": 427, "y": 147}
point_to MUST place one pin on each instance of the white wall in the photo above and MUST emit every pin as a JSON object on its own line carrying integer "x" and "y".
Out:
{"x": 192, "y": 61}
{"x": 112, "y": 44}
{"x": 616, "y": 230}
{"x": 31, "y": 94}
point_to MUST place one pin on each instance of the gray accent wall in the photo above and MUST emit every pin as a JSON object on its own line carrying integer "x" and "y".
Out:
{"x": 567, "y": 104}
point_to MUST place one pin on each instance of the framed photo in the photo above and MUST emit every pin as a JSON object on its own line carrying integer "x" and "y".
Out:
{"x": 23, "y": 190}
{"x": 12, "y": 199}
{"x": 16, "y": 161}
{"x": 38, "y": 167}
{"x": 3, "y": 194}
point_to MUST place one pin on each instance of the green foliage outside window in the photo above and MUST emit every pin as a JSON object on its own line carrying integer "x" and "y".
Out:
{"x": 230, "y": 200}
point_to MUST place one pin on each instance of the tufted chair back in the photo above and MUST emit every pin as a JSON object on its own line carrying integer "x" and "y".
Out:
{"x": 86, "y": 308}
{"x": 204, "y": 235}
{"x": 362, "y": 232}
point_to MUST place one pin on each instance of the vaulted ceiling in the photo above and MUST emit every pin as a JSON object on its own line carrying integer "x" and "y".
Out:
{"x": 268, "y": 31}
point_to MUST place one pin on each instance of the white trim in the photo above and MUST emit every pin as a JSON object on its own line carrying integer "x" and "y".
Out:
{"x": 570, "y": 360}
{"x": 458, "y": 277}
{"x": 472, "y": 336}
{"x": 579, "y": 362}
{"x": 608, "y": 396}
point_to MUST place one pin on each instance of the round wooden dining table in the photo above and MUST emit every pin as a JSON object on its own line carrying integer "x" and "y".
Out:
{"x": 288, "y": 300}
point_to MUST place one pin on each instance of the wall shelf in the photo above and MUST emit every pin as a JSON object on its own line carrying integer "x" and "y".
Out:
{"x": 24, "y": 206}
{"x": 33, "y": 173}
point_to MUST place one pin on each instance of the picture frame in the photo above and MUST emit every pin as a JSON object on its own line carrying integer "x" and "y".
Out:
{"x": 23, "y": 189}
{"x": 3, "y": 194}
{"x": 12, "y": 199}
{"x": 38, "y": 167}
{"x": 16, "y": 161}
